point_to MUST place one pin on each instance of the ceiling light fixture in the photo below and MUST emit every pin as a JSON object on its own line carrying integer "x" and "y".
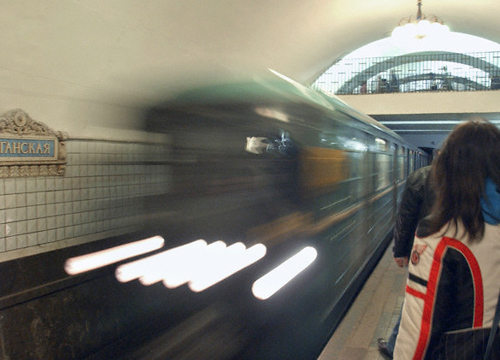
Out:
{"x": 419, "y": 27}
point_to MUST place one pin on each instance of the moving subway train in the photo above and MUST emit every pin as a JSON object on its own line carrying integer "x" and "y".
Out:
{"x": 279, "y": 203}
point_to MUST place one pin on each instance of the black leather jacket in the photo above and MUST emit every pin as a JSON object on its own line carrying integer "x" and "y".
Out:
{"x": 416, "y": 203}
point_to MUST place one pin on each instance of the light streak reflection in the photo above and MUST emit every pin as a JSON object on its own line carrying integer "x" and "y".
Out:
{"x": 92, "y": 261}
{"x": 188, "y": 265}
{"x": 145, "y": 267}
{"x": 198, "y": 264}
{"x": 269, "y": 284}
{"x": 234, "y": 260}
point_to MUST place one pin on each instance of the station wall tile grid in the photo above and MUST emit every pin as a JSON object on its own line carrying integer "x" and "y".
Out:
{"x": 102, "y": 190}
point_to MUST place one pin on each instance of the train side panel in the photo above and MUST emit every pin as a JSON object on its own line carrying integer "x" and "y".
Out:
{"x": 256, "y": 165}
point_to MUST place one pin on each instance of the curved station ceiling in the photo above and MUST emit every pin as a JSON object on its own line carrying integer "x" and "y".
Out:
{"x": 63, "y": 53}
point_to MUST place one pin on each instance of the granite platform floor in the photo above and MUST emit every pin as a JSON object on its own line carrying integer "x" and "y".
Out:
{"x": 371, "y": 316}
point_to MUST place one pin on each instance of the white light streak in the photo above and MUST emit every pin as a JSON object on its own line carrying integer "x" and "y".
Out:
{"x": 235, "y": 259}
{"x": 273, "y": 281}
{"x": 272, "y": 114}
{"x": 197, "y": 263}
{"x": 145, "y": 267}
{"x": 189, "y": 264}
{"x": 156, "y": 270}
{"x": 80, "y": 264}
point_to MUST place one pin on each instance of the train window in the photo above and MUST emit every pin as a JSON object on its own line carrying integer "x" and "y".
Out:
{"x": 411, "y": 162}
{"x": 400, "y": 163}
{"x": 323, "y": 168}
{"x": 382, "y": 144}
{"x": 357, "y": 167}
{"x": 383, "y": 166}
{"x": 401, "y": 168}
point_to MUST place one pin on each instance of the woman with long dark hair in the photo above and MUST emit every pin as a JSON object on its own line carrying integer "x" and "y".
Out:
{"x": 454, "y": 272}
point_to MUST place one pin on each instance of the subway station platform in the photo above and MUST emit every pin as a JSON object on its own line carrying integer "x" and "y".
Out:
{"x": 372, "y": 315}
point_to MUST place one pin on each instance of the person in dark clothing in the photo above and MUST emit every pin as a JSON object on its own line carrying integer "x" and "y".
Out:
{"x": 418, "y": 197}
{"x": 416, "y": 203}
{"x": 394, "y": 82}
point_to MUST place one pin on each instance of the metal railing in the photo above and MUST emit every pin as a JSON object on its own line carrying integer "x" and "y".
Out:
{"x": 425, "y": 71}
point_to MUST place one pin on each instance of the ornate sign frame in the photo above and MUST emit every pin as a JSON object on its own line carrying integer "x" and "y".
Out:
{"x": 29, "y": 147}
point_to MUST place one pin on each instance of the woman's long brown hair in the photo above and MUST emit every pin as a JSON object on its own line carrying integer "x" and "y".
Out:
{"x": 471, "y": 154}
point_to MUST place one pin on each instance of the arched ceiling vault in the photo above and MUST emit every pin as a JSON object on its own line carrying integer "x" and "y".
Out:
{"x": 79, "y": 64}
{"x": 137, "y": 51}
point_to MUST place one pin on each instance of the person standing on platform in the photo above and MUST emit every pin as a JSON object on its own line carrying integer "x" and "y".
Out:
{"x": 394, "y": 82}
{"x": 363, "y": 89}
{"x": 453, "y": 286}
{"x": 446, "y": 83}
{"x": 416, "y": 202}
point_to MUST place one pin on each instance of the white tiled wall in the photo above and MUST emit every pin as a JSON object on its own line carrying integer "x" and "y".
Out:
{"x": 102, "y": 191}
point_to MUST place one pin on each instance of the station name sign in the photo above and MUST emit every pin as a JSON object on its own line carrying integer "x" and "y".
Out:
{"x": 22, "y": 149}
{"x": 29, "y": 148}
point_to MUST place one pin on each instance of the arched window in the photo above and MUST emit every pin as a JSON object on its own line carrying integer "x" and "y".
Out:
{"x": 460, "y": 62}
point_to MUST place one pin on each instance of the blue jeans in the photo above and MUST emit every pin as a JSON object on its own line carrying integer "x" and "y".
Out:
{"x": 391, "y": 343}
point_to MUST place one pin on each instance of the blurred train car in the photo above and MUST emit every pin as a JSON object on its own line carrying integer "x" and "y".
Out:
{"x": 264, "y": 164}
{"x": 273, "y": 162}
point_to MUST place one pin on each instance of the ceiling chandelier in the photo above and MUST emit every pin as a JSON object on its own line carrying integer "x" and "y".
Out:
{"x": 419, "y": 27}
